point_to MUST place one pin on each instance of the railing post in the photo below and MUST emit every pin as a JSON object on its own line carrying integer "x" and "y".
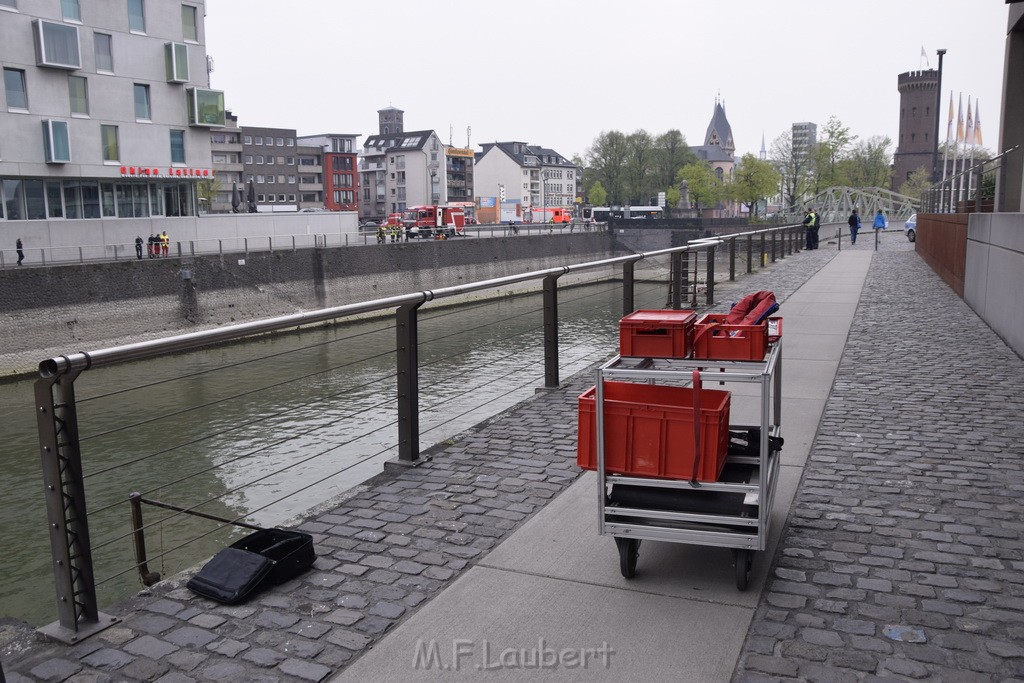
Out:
{"x": 407, "y": 357}
{"x": 245, "y": 245}
{"x": 115, "y": 252}
{"x": 773, "y": 246}
{"x": 711, "y": 275}
{"x": 627, "y": 287}
{"x": 139, "y": 541}
{"x": 681, "y": 261}
{"x": 81, "y": 257}
{"x": 60, "y": 450}
{"x": 732, "y": 260}
{"x": 750, "y": 254}
{"x": 220, "y": 247}
{"x": 551, "y": 330}
{"x": 270, "y": 244}
{"x": 782, "y": 242}
{"x": 192, "y": 247}
{"x": 293, "y": 244}
{"x": 696, "y": 270}
{"x": 764, "y": 250}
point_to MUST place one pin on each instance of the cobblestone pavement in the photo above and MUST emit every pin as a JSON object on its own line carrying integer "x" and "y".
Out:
{"x": 902, "y": 557}
{"x": 399, "y": 540}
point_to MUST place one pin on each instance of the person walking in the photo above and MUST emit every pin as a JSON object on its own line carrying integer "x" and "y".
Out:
{"x": 21, "y": 251}
{"x": 381, "y": 232}
{"x": 880, "y": 222}
{"x": 165, "y": 243}
{"x": 138, "y": 247}
{"x": 854, "y": 221}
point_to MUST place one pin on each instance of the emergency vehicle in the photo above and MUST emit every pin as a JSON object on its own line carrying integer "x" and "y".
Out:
{"x": 433, "y": 220}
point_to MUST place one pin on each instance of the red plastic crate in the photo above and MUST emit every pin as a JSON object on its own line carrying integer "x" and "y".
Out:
{"x": 657, "y": 334}
{"x": 714, "y": 339}
{"x": 649, "y": 431}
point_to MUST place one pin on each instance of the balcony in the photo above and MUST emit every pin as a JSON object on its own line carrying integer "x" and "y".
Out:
{"x": 228, "y": 167}
{"x": 311, "y": 187}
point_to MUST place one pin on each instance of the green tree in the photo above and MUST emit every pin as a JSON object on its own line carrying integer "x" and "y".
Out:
{"x": 754, "y": 180}
{"x": 705, "y": 187}
{"x": 832, "y": 148}
{"x": 868, "y": 165}
{"x": 606, "y": 162}
{"x": 919, "y": 181}
{"x": 597, "y": 195}
{"x": 671, "y": 153}
{"x": 207, "y": 190}
{"x": 792, "y": 168}
{"x": 672, "y": 197}
{"x": 639, "y": 167}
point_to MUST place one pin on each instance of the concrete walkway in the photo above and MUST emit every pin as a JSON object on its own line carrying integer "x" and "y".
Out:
{"x": 555, "y": 585}
{"x": 896, "y": 550}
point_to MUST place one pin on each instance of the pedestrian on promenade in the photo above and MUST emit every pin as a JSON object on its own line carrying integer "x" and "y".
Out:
{"x": 854, "y": 221}
{"x": 151, "y": 245}
{"x": 138, "y": 247}
{"x": 165, "y": 243}
{"x": 880, "y": 222}
{"x": 811, "y": 225}
{"x": 21, "y": 252}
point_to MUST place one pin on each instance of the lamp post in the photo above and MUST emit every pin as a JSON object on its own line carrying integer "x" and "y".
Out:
{"x": 938, "y": 107}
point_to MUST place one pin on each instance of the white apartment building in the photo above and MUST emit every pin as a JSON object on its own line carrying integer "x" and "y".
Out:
{"x": 516, "y": 172}
{"x": 106, "y": 115}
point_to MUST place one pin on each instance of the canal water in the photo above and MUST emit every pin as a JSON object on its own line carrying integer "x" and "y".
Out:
{"x": 269, "y": 429}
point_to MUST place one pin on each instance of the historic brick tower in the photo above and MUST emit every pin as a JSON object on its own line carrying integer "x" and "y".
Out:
{"x": 918, "y": 112}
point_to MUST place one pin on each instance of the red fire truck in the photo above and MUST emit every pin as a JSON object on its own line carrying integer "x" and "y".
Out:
{"x": 434, "y": 221}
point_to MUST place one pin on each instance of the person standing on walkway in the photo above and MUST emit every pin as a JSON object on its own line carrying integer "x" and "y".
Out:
{"x": 811, "y": 225}
{"x": 21, "y": 251}
{"x": 854, "y": 221}
{"x": 138, "y": 247}
{"x": 165, "y": 243}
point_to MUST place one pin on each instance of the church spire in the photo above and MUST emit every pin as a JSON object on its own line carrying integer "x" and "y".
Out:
{"x": 764, "y": 152}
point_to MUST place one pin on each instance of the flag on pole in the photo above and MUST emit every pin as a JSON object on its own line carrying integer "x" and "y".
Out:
{"x": 949, "y": 126}
{"x": 977, "y": 123}
{"x": 924, "y": 56}
{"x": 969, "y": 136}
{"x": 960, "y": 120}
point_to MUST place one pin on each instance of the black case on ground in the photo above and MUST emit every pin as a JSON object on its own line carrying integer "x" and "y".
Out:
{"x": 265, "y": 558}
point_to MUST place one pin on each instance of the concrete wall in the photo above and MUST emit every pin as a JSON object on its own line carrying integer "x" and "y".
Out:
{"x": 942, "y": 243}
{"x": 52, "y": 310}
{"x": 994, "y": 274}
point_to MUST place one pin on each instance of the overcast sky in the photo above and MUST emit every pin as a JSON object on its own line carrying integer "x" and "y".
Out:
{"x": 558, "y": 72}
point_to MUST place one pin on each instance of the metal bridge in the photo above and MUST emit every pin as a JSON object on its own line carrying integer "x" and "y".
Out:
{"x": 836, "y": 203}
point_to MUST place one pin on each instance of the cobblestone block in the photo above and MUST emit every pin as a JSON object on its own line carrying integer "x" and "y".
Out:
{"x": 148, "y": 646}
{"x": 307, "y": 671}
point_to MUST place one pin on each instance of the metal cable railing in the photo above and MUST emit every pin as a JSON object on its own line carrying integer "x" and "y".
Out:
{"x": 229, "y": 446}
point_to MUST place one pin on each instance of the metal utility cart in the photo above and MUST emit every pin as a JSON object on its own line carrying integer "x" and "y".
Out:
{"x": 732, "y": 512}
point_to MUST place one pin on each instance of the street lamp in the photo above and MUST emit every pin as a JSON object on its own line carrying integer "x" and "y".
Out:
{"x": 938, "y": 108}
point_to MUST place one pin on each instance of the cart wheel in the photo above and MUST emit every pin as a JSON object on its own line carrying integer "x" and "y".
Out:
{"x": 629, "y": 551}
{"x": 742, "y": 560}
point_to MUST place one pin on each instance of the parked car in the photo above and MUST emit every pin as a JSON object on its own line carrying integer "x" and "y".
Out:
{"x": 910, "y": 228}
{"x": 368, "y": 225}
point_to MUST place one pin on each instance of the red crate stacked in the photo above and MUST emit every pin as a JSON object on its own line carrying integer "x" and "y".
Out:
{"x": 657, "y": 334}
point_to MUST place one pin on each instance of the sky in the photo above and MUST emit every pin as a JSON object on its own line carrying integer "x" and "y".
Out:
{"x": 557, "y": 73}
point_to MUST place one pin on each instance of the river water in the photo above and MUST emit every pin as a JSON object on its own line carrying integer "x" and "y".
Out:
{"x": 269, "y": 429}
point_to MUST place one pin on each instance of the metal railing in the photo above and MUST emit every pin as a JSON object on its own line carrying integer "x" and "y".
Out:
{"x": 57, "y": 410}
{"x": 958, "y": 192}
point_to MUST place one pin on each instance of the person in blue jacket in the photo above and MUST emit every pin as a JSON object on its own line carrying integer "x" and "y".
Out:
{"x": 880, "y": 221}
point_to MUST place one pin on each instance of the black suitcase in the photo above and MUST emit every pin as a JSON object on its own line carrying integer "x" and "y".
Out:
{"x": 267, "y": 557}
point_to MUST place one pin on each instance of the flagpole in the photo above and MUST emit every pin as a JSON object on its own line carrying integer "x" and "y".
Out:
{"x": 957, "y": 179}
{"x": 945, "y": 158}
{"x": 965, "y": 178}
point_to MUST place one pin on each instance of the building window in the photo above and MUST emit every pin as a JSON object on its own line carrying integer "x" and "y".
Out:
{"x": 57, "y": 45}
{"x": 137, "y": 16}
{"x": 176, "y": 62}
{"x": 108, "y": 140}
{"x": 291, "y": 180}
{"x": 261, "y": 198}
{"x": 248, "y": 159}
{"x": 177, "y": 146}
{"x": 259, "y": 159}
{"x": 290, "y": 142}
{"x": 291, "y": 161}
{"x": 103, "y": 44}
{"x": 189, "y": 25}
{"x": 78, "y": 92}
{"x": 280, "y": 142}
{"x": 281, "y": 179}
{"x": 13, "y": 4}
{"x": 259, "y": 179}
{"x": 205, "y": 107}
{"x": 258, "y": 141}
{"x": 56, "y": 143}
{"x": 70, "y": 10}
{"x": 142, "y": 110}
{"x": 14, "y": 86}
{"x": 280, "y": 197}
{"x": 246, "y": 139}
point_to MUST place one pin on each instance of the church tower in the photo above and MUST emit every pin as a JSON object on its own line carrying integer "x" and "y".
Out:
{"x": 390, "y": 121}
{"x": 719, "y": 131}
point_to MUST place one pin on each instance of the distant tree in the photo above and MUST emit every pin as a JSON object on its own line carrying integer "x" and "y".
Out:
{"x": 754, "y": 180}
{"x": 919, "y": 181}
{"x": 792, "y": 168}
{"x": 606, "y": 163}
{"x": 207, "y": 190}
{"x": 705, "y": 187}
{"x": 868, "y": 165}
{"x": 833, "y": 146}
{"x": 672, "y": 196}
{"x": 639, "y": 167}
{"x": 671, "y": 153}
{"x": 597, "y": 194}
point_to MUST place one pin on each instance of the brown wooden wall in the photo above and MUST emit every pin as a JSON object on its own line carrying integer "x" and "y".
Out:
{"x": 942, "y": 243}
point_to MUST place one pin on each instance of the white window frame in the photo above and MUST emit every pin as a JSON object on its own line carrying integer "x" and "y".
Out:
{"x": 176, "y": 72}
{"x": 51, "y": 129}
{"x": 39, "y": 29}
